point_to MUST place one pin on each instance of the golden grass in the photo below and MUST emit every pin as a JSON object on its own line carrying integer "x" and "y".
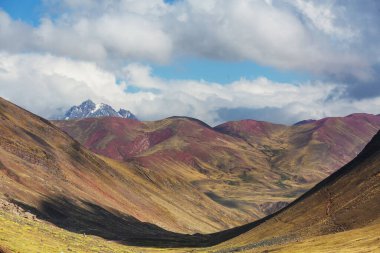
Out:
{"x": 357, "y": 240}
{"x": 21, "y": 235}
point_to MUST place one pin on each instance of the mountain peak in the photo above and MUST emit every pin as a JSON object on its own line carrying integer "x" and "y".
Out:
{"x": 88, "y": 102}
{"x": 88, "y": 109}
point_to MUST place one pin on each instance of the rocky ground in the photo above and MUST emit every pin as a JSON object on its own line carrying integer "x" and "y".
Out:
{"x": 10, "y": 207}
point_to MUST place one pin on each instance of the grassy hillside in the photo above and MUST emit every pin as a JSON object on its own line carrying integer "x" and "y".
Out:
{"x": 340, "y": 214}
{"x": 253, "y": 168}
{"x": 47, "y": 172}
{"x": 341, "y": 210}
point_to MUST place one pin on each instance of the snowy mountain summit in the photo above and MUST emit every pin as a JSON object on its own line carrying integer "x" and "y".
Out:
{"x": 89, "y": 109}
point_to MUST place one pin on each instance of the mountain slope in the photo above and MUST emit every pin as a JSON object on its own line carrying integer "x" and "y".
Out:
{"x": 252, "y": 167}
{"x": 340, "y": 213}
{"x": 48, "y": 173}
{"x": 232, "y": 171}
{"x": 313, "y": 149}
{"x": 346, "y": 202}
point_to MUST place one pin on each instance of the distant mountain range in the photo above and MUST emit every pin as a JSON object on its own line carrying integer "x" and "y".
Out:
{"x": 154, "y": 181}
{"x": 235, "y": 159}
{"x": 88, "y": 109}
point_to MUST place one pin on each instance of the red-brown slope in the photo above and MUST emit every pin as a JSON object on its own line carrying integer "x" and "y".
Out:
{"x": 114, "y": 137}
{"x": 311, "y": 150}
{"x": 250, "y": 166}
{"x": 249, "y": 129}
{"x": 45, "y": 170}
{"x": 182, "y": 140}
{"x": 229, "y": 165}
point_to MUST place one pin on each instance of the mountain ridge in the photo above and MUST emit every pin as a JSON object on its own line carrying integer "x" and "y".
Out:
{"x": 88, "y": 109}
{"x": 46, "y": 170}
{"x": 52, "y": 177}
{"x": 250, "y": 166}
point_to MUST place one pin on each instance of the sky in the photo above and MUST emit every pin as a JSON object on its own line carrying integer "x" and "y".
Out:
{"x": 216, "y": 60}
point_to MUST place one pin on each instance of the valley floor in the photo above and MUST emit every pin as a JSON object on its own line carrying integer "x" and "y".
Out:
{"x": 19, "y": 234}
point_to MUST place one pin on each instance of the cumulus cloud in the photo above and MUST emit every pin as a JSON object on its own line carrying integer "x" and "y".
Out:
{"x": 111, "y": 35}
{"x": 48, "y": 85}
{"x": 318, "y": 37}
{"x": 102, "y": 49}
{"x": 323, "y": 17}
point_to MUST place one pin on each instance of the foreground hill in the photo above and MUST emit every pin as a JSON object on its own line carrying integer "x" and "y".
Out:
{"x": 254, "y": 168}
{"x": 46, "y": 172}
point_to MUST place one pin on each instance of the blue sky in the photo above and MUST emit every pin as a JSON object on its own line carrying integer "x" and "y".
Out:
{"x": 215, "y": 60}
{"x": 224, "y": 72}
{"x": 31, "y": 11}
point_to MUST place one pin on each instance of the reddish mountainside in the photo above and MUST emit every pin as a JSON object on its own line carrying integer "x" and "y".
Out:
{"x": 248, "y": 129}
{"x": 252, "y": 167}
{"x": 313, "y": 150}
{"x": 48, "y": 173}
{"x": 188, "y": 177}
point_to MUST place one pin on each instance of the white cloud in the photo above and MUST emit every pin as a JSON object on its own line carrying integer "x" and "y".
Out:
{"x": 47, "y": 84}
{"x": 300, "y": 35}
{"x": 322, "y": 16}
{"x": 13, "y": 34}
{"x": 90, "y": 46}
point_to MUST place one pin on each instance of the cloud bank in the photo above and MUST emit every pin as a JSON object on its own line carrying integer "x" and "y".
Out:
{"x": 48, "y": 85}
{"x": 102, "y": 50}
{"x": 314, "y": 36}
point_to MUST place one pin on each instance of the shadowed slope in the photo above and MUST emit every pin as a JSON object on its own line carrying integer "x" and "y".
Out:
{"x": 40, "y": 164}
{"x": 254, "y": 168}
{"x": 342, "y": 210}
{"x": 349, "y": 199}
{"x": 181, "y": 146}
{"x": 48, "y": 173}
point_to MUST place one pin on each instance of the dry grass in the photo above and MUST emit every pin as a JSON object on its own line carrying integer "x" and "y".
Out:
{"x": 26, "y": 236}
{"x": 357, "y": 240}
{"x": 267, "y": 164}
{"x": 45, "y": 169}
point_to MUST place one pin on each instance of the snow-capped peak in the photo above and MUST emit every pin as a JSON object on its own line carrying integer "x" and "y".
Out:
{"x": 88, "y": 109}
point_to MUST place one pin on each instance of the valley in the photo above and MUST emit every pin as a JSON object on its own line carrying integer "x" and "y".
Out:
{"x": 178, "y": 184}
{"x": 187, "y": 126}
{"x": 253, "y": 168}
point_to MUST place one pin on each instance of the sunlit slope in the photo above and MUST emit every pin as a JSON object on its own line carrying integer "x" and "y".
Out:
{"x": 26, "y": 236}
{"x": 342, "y": 209}
{"x": 251, "y": 167}
{"x": 47, "y": 172}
